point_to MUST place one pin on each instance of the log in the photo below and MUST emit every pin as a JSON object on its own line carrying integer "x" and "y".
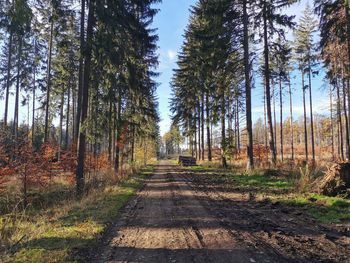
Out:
{"x": 187, "y": 161}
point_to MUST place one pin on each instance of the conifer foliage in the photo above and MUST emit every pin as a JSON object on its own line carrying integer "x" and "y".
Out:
{"x": 226, "y": 43}
{"x": 81, "y": 75}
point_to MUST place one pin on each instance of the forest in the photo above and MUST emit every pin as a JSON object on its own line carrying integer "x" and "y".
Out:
{"x": 229, "y": 50}
{"x": 87, "y": 175}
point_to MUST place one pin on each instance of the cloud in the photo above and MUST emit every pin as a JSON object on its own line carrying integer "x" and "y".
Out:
{"x": 171, "y": 54}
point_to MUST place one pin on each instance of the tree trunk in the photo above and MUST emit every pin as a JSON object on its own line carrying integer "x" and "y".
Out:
{"x": 265, "y": 125}
{"x": 238, "y": 128}
{"x": 274, "y": 114}
{"x": 346, "y": 121}
{"x": 250, "y": 152}
{"x": 81, "y": 70}
{"x": 305, "y": 121}
{"x": 311, "y": 116}
{"x": 60, "y": 128}
{"x": 48, "y": 88}
{"x": 223, "y": 132}
{"x": 8, "y": 77}
{"x": 74, "y": 104}
{"x": 202, "y": 121}
{"x": 15, "y": 119}
{"x": 208, "y": 127}
{"x": 110, "y": 129}
{"x": 33, "y": 106}
{"x": 291, "y": 118}
{"x": 195, "y": 136}
{"x": 85, "y": 100}
{"x": 340, "y": 123}
{"x": 281, "y": 118}
{"x": 331, "y": 120}
{"x": 67, "y": 118}
{"x": 268, "y": 94}
{"x": 117, "y": 148}
{"x": 199, "y": 132}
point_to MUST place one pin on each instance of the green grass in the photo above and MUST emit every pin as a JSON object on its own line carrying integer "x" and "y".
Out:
{"x": 263, "y": 182}
{"x": 278, "y": 188}
{"x": 52, "y": 235}
{"x": 325, "y": 209}
{"x": 200, "y": 168}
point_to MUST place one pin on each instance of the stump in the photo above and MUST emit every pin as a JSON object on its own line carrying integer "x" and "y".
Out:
{"x": 336, "y": 180}
{"x": 187, "y": 161}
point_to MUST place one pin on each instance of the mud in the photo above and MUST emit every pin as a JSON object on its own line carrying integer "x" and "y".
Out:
{"x": 190, "y": 217}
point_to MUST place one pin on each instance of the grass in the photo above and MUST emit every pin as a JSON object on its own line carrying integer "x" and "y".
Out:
{"x": 54, "y": 234}
{"x": 324, "y": 209}
{"x": 263, "y": 182}
{"x": 197, "y": 168}
{"x": 269, "y": 185}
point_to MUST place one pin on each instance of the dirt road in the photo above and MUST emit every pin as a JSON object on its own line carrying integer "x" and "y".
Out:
{"x": 182, "y": 217}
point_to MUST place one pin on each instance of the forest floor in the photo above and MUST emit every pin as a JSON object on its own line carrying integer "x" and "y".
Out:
{"x": 203, "y": 215}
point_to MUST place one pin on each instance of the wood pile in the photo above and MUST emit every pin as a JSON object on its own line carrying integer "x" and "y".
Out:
{"x": 187, "y": 161}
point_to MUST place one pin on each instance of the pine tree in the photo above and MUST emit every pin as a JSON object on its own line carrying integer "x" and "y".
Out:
{"x": 270, "y": 17}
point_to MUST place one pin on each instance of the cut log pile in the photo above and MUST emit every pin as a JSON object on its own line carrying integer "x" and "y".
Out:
{"x": 187, "y": 161}
{"x": 336, "y": 180}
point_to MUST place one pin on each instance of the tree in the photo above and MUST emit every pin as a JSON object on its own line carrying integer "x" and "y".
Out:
{"x": 85, "y": 98}
{"x": 305, "y": 45}
{"x": 250, "y": 152}
{"x": 270, "y": 18}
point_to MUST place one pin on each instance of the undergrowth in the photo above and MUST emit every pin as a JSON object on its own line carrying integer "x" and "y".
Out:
{"x": 51, "y": 235}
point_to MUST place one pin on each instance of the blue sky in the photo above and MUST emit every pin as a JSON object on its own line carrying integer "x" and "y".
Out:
{"x": 171, "y": 22}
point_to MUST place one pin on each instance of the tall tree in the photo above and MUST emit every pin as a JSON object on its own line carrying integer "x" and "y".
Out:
{"x": 271, "y": 19}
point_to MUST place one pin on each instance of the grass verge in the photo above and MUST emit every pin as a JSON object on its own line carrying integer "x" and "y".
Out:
{"x": 52, "y": 235}
{"x": 284, "y": 190}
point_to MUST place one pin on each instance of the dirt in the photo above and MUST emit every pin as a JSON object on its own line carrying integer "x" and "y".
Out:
{"x": 189, "y": 217}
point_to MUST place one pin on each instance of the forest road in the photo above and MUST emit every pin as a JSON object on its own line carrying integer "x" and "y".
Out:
{"x": 180, "y": 216}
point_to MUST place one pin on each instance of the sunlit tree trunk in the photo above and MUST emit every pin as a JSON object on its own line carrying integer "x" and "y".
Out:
{"x": 274, "y": 115}
{"x": 48, "y": 84}
{"x": 305, "y": 120}
{"x": 199, "y": 132}
{"x": 238, "y": 128}
{"x": 340, "y": 123}
{"x": 60, "y": 128}
{"x": 267, "y": 85}
{"x": 208, "y": 126}
{"x": 202, "y": 122}
{"x": 250, "y": 152}
{"x": 118, "y": 142}
{"x": 281, "y": 117}
{"x": 81, "y": 69}
{"x": 67, "y": 117}
{"x": 346, "y": 120}
{"x": 331, "y": 120}
{"x": 33, "y": 105}
{"x": 223, "y": 132}
{"x": 311, "y": 114}
{"x": 16, "y": 112}
{"x": 85, "y": 100}
{"x": 8, "y": 77}
{"x": 291, "y": 117}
